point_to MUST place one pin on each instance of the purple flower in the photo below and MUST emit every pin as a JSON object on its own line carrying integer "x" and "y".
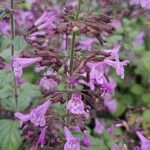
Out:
{"x": 72, "y": 143}
{"x": 116, "y": 23}
{"x": 41, "y": 139}
{"x": 111, "y": 129}
{"x": 4, "y": 27}
{"x": 134, "y": 2}
{"x": 145, "y": 4}
{"x": 110, "y": 103}
{"x": 115, "y": 147}
{"x": 86, "y": 44}
{"x": 76, "y": 105}
{"x": 139, "y": 39}
{"x": 48, "y": 84}
{"x": 46, "y": 20}
{"x": 145, "y": 143}
{"x": 96, "y": 73}
{"x": 119, "y": 66}
{"x": 36, "y": 116}
{"x": 99, "y": 126}
{"x": 86, "y": 140}
{"x": 22, "y": 118}
{"x": 20, "y": 63}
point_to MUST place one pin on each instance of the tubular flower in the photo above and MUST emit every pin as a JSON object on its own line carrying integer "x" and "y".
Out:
{"x": 145, "y": 143}
{"x": 20, "y": 63}
{"x": 76, "y": 105}
{"x": 72, "y": 143}
{"x": 48, "y": 84}
{"x": 86, "y": 140}
{"x": 41, "y": 139}
{"x": 36, "y": 116}
{"x": 99, "y": 127}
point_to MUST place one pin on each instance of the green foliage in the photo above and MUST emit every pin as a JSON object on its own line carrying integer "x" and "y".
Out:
{"x": 27, "y": 92}
{"x": 6, "y": 77}
{"x": 5, "y": 41}
{"x": 10, "y": 136}
{"x": 19, "y": 43}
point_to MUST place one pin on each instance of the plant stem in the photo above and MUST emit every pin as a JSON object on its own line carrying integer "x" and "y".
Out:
{"x": 72, "y": 52}
{"x": 12, "y": 22}
{"x": 74, "y": 39}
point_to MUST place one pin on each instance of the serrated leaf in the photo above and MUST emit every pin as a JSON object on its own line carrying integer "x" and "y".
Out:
{"x": 30, "y": 90}
{"x": 60, "y": 109}
{"x": 6, "y": 92}
{"x": 6, "y": 77}
{"x": 5, "y": 41}
{"x": 26, "y": 92}
{"x": 19, "y": 43}
{"x": 10, "y": 135}
{"x": 10, "y": 103}
{"x": 6, "y": 54}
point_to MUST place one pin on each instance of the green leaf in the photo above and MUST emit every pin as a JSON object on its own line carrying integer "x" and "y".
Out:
{"x": 137, "y": 89}
{"x": 10, "y": 135}
{"x": 97, "y": 144}
{"x": 146, "y": 99}
{"x": 6, "y": 92}
{"x": 30, "y": 90}
{"x": 59, "y": 109}
{"x": 145, "y": 60}
{"x": 6, "y": 77}
{"x": 10, "y": 105}
{"x": 26, "y": 92}
{"x": 5, "y": 41}
{"x": 19, "y": 43}
{"x": 6, "y": 54}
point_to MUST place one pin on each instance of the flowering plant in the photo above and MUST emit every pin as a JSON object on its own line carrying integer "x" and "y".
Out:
{"x": 58, "y": 75}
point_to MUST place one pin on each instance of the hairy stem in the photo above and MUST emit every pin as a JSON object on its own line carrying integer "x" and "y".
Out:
{"x": 12, "y": 22}
{"x": 72, "y": 51}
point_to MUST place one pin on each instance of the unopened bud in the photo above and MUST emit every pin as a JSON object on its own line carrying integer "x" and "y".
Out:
{"x": 75, "y": 29}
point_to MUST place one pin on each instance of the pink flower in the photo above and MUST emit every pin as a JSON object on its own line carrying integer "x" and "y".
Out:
{"x": 72, "y": 143}
{"x": 76, "y": 105}
{"x": 20, "y": 63}
{"x": 36, "y": 116}
{"x": 99, "y": 127}
{"x": 48, "y": 84}
{"x": 41, "y": 139}
{"x": 86, "y": 140}
{"x": 145, "y": 143}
